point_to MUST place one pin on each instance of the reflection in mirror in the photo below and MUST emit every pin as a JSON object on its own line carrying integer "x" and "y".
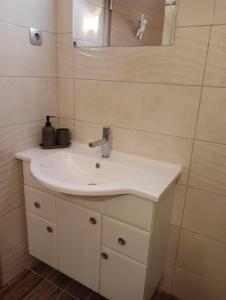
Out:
{"x": 123, "y": 23}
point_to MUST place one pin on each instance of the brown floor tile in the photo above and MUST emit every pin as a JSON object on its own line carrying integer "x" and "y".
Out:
{"x": 21, "y": 287}
{"x": 59, "y": 279}
{"x": 41, "y": 268}
{"x": 65, "y": 296}
{"x": 161, "y": 295}
{"x": 78, "y": 290}
{"x": 96, "y": 296}
{"x": 46, "y": 291}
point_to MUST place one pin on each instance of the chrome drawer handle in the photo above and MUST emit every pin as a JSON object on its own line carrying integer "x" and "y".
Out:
{"x": 121, "y": 241}
{"x": 37, "y": 205}
{"x": 49, "y": 229}
{"x": 93, "y": 221}
{"x": 104, "y": 255}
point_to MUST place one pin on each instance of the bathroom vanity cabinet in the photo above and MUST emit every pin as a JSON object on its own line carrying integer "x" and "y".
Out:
{"x": 115, "y": 245}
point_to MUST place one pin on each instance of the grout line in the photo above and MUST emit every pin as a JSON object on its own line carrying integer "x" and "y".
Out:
{"x": 11, "y": 282}
{"x": 201, "y": 25}
{"x": 22, "y": 123}
{"x": 138, "y": 82}
{"x": 193, "y": 146}
{"x": 92, "y": 293}
{"x": 43, "y": 277}
{"x": 27, "y": 26}
{"x": 29, "y": 76}
{"x": 137, "y": 130}
{"x": 201, "y": 275}
{"x": 202, "y": 235}
{"x": 145, "y": 82}
{"x": 37, "y": 286}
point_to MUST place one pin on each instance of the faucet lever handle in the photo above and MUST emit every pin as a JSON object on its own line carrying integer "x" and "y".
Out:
{"x": 106, "y": 133}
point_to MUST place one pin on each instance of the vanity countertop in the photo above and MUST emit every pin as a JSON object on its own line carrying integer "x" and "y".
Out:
{"x": 79, "y": 170}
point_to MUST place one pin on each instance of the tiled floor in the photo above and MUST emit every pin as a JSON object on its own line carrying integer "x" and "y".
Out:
{"x": 41, "y": 282}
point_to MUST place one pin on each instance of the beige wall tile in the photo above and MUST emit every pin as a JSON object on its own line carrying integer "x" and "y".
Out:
{"x": 173, "y": 244}
{"x": 66, "y": 98}
{"x": 35, "y": 13}
{"x": 208, "y": 167}
{"x": 205, "y": 214}
{"x": 17, "y": 138}
{"x": 37, "y": 95}
{"x": 155, "y": 146}
{"x": 149, "y": 107}
{"x": 203, "y": 256}
{"x": 12, "y": 190}
{"x": 167, "y": 279}
{"x": 19, "y": 58}
{"x": 212, "y": 121}
{"x": 190, "y": 286}
{"x": 14, "y": 261}
{"x": 216, "y": 61}
{"x": 65, "y": 55}
{"x": 64, "y": 16}
{"x": 220, "y": 12}
{"x": 178, "y": 205}
{"x": 182, "y": 63}
{"x": 193, "y": 12}
{"x": 12, "y": 229}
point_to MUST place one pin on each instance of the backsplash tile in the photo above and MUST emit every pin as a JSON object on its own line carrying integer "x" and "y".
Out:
{"x": 26, "y": 59}
{"x": 190, "y": 286}
{"x": 179, "y": 64}
{"x": 205, "y": 214}
{"x": 220, "y": 12}
{"x": 28, "y": 92}
{"x": 208, "y": 167}
{"x": 37, "y": 95}
{"x": 152, "y": 108}
{"x": 212, "y": 121}
{"x": 193, "y": 12}
{"x": 216, "y": 61}
{"x": 203, "y": 256}
{"x": 29, "y": 13}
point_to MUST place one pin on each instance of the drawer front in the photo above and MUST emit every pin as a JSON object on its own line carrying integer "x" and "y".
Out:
{"x": 125, "y": 239}
{"x": 121, "y": 278}
{"x": 42, "y": 239}
{"x": 40, "y": 204}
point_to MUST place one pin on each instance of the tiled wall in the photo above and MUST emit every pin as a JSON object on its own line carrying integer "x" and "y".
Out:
{"x": 169, "y": 104}
{"x": 28, "y": 91}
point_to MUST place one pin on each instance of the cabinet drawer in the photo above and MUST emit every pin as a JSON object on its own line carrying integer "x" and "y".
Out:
{"x": 121, "y": 278}
{"x": 125, "y": 239}
{"x": 40, "y": 204}
{"x": 42, "y": 240}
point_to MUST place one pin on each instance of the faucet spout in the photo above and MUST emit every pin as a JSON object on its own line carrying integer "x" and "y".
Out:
{"x": 104, "y": 143}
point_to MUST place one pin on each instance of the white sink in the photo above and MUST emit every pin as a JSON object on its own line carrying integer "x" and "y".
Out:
{"x": 81, "y": 171}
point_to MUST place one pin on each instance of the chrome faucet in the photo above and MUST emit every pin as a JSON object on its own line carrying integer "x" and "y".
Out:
{"x": 104, "y": 142}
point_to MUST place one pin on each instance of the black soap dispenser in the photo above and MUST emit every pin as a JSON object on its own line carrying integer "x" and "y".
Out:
{"x": 48, "y": 133}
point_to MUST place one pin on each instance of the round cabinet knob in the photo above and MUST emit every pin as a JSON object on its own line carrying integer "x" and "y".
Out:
{"x": 104, "y": 255}
{"x": 49, "y": 229}
{"x": 37, "y": 205}
{"x": 121, "y": 241}
{"x": 93, "y": 221}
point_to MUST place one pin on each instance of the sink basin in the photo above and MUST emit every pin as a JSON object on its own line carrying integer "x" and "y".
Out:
{"x": 81, "y": 171}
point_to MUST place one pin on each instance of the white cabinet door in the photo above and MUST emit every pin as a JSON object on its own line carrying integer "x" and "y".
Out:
{"x": 121, "y": 278}
{"x": 42, "y": 239}
{"x": 79, "y": 233}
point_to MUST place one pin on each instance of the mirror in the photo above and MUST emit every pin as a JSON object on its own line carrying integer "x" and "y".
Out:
{"x": 123, "y": 23}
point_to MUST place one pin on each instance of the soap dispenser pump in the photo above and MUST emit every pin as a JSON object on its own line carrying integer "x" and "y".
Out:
{"x": 48, "y": 133}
